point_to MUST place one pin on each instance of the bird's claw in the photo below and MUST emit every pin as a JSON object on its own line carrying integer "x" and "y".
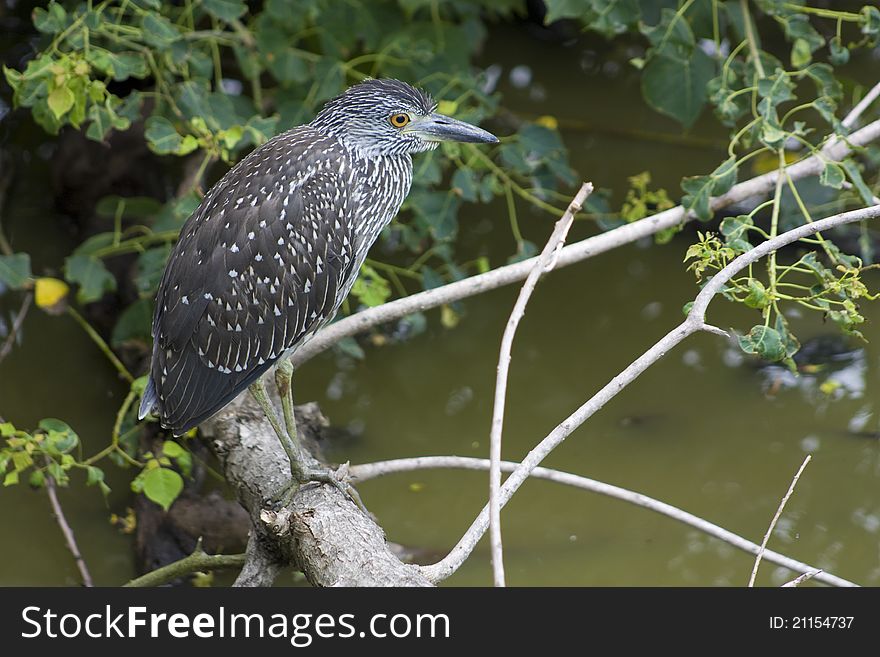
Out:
{"x": 339, "y": 479}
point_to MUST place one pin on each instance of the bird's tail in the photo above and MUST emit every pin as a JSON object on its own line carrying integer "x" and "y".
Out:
{"x": 149, "y": 399}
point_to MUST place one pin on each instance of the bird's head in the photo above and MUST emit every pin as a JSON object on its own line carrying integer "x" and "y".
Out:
{"x": 386, "y": 117}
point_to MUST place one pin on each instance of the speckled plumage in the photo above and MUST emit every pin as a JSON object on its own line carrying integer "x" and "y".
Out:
{"x": 274, "y": 248}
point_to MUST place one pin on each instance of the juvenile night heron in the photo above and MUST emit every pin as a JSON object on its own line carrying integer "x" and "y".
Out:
{"x": 275, "y": 247}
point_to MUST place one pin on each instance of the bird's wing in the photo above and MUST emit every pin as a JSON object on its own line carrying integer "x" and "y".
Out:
{"x": 258, "y": 266}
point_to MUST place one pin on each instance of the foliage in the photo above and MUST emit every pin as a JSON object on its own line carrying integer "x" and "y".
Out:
{"x": 709, "y": 53}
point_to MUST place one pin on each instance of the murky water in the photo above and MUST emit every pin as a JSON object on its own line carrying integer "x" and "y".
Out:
{"x": 701, "y": 429}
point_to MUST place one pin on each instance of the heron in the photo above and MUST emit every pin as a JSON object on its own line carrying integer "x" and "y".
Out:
{"x": 274, "y": 248}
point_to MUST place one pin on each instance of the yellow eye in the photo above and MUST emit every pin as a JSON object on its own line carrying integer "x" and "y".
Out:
{"x": 399, "y": 120}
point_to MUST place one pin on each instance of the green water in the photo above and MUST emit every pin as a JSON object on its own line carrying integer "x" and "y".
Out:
{"x": 697, "y": 430}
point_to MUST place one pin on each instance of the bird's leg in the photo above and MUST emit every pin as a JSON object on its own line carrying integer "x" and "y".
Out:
{"x": 303, "y": 473}
{"x": 294, "y": 455}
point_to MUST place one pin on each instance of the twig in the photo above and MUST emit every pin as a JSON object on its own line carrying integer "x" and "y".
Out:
{"x": 800, "y": 579}
{"x": 367, "y": 471}
{"x": 775, "y": 520}
{"x": 694, "y": 323}
{"x": 851, "y": 118}
{"x": 198, "y": 561}
{"x": 69, "y": 538}
{"x": 16, "y": 326}
{"x": 835, "y": 150}
{"x": 544, "y": 263}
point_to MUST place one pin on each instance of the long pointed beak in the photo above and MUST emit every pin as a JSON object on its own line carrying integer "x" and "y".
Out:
{"x": 439, "y": 127}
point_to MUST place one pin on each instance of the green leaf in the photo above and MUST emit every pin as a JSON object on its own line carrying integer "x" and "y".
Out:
{"x": 789, "y": 341}
{"x": 158, "y": 31}
{"x": 464, "y": 183}
{"x": 94, "y": 475}
{"x": 798, "y": 28}
{"x": 103, "y": 120}
{"x": 871, "y": 15}
{"x": 15, "y": 270}
{"x": 757, "y": 297}
{"x": 825, "y": 80}
{"x": 162, "y": 486}
{"x": 855, "y": 175}
{"x": 678, "y": 88}
{"x": 370, "y": 288}
{"x": 801, "y": 55}
{"x": 777, "y": 88}
{"x": 150, "y": 267}
{"x": 134, "y": 324}
{"x": 11, "y": 478}
{"x": 60, "y": 101}
{"x": 163, "y": 138}
{"x": 119, "y": 65}
{"x": 61, "y": 437}
{"x": 736, "y": 227}
{"x": 838, "y": 54}
{"x": 700, "y": 189}
{"x": 225, "y": 10}
{"x": 672, "y": 36}
{"x": 51, "y": 20}
{"x": 832, "y": 175}
{"x": 765, "y": 342}
{"x": 172, "y": 449}
{"x": 91, "y": 275}
{"x": 608, "y": 17}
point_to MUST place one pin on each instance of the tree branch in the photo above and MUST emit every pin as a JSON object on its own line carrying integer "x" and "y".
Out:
{"x": 694, "y": 322}
{"x": 367, "y": 471}
{"x": 322, "y": 531}
{"x": 544, "y": 263}
{"x": 198, "y": 561}
{"x": 775, "y": 520}
{"x": 69, "y": 538}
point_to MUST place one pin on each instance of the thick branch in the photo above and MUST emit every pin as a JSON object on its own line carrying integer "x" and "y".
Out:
{"x": 367, "y": 471}
{"x": 322, "y": 531}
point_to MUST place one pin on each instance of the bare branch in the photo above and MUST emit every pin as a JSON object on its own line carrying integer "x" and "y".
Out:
{"x": 800, "y": 579}
{"x": 694, "y": 322}
{"x": 16, "y": 326}
{"x": 544, "y": 263}
{"x": 69, "y": 538}
{"x": 834, "y": 150}
{"x": 775, "y": 520}
{"x": 850, "y": 120}
{"x": 368, "y": 471}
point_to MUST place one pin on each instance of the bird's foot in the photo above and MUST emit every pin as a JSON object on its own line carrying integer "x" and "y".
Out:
{"x": 338, "y": 478}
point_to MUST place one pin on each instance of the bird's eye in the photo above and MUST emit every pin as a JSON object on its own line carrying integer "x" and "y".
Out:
{"x": 399, "y": 120}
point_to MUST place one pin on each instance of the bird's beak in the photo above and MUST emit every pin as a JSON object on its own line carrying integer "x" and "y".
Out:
{"x": 439, "y": 127}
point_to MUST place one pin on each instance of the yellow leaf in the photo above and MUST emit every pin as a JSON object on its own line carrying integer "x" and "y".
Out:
{"x": 447, "y": 107}
{"x": 448, "y": 317}
{"x": 49, "y": 292}
{"x": 767, "y": 162}
{"x": 548, "y": 121}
